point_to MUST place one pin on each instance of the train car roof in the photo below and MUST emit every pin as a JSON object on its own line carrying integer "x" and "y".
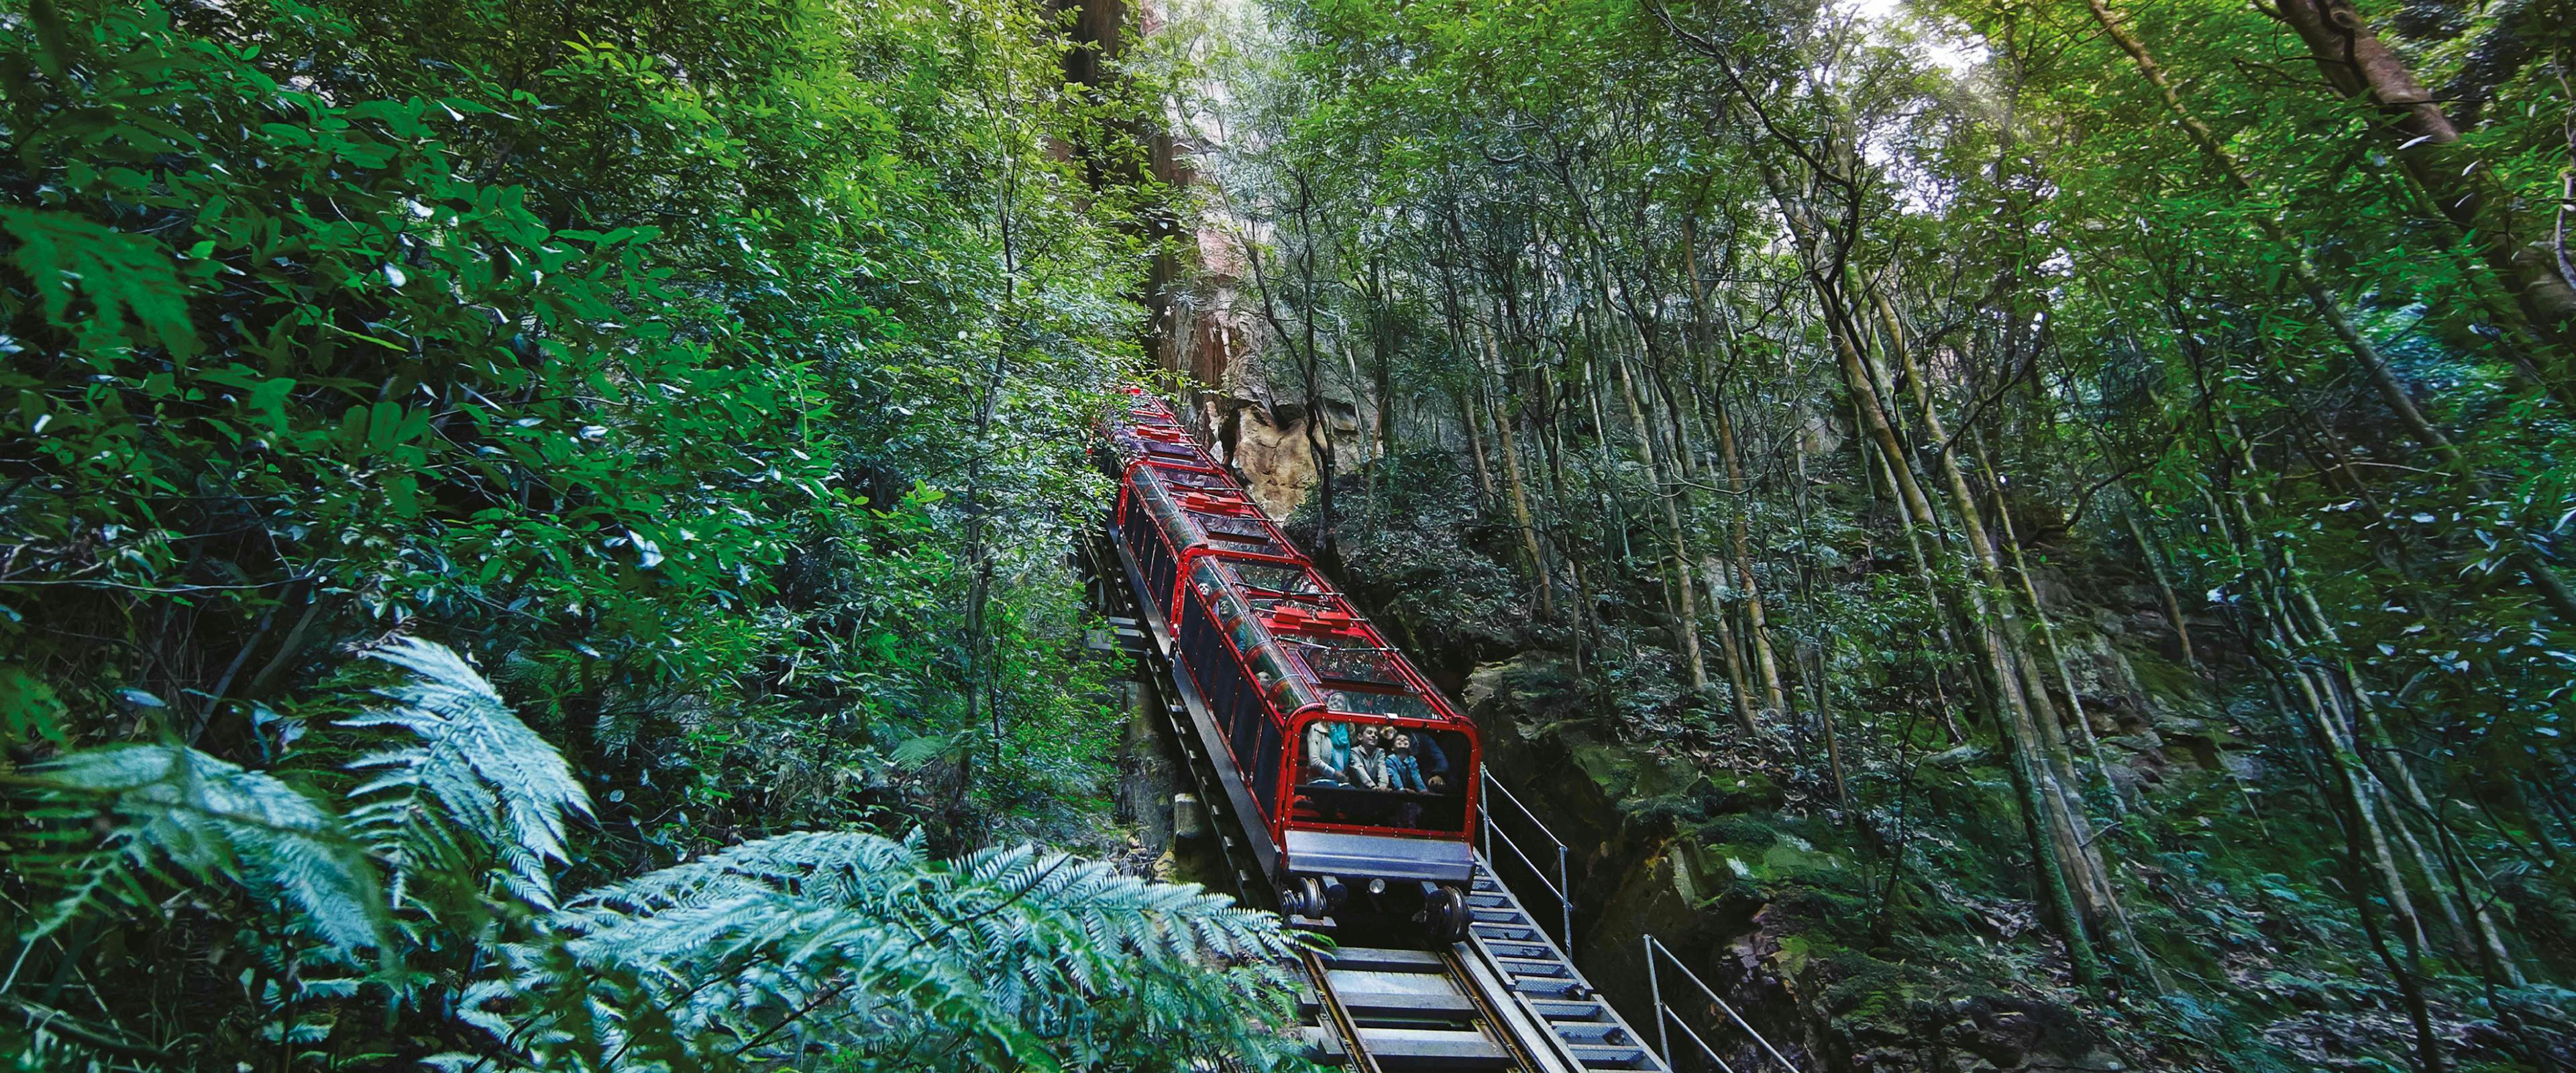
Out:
{"x": 1336, "y": 654}
{"x": 1199, "y": 506}
{"x": 1160, "y": 443}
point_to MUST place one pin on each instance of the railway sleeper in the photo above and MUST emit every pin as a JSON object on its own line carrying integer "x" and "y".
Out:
{"x": 1374, "y": 1005}
{"x": 1368, "y": 959}
{"x": 1433, "y": 1048}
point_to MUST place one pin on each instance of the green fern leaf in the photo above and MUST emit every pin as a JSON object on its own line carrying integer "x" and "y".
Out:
{"x": 491, "y": 775}
{"x": 210, "y": 818}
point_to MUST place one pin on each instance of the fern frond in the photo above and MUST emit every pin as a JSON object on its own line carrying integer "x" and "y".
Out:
{"x": 490, "y": 775}
{"x": 854, "y": 944}
{"x": 210, "y": 817}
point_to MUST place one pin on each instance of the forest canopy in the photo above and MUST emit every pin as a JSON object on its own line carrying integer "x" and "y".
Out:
{"x": 692, "y": 399}
{"x": 2022, "y": 533}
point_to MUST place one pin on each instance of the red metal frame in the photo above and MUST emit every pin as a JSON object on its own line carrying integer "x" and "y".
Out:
{"x": 1149, "y": 418}
{"x": 1292, "y": 725}
{"x": 1243, "y": 507}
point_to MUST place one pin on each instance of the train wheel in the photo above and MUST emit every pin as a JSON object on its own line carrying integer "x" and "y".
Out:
{"x": 1445, "y": 915}
{"x": 1304, "y": 898}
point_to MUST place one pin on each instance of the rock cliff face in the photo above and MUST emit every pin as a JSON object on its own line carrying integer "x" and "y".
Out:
{"x": 1250, "y": 412}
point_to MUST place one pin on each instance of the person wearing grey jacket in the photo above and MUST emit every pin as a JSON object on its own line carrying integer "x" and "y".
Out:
{"x": 1368, "y": 760}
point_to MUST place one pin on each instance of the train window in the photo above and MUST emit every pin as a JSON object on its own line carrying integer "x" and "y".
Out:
{"x": 1362, "y": 703}
{"x": 1378, "y": 775}
{"x": 1238, "y": 531}
{"x": 1278, "y": 578}
{"x": 1197, "y": 481}
{"x": 1286, "y": 690}
{"x": 1167, "y": 514}
{"x": 1350, "y": 659}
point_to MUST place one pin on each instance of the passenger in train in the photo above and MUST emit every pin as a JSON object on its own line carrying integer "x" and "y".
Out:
{"x": 1368, "y": 759}
{"x": 1403, "y": 768}
{"x": 1318, "y": 768}
{"x": 1328, "y": 752}
{"x": 1431, "y": 760}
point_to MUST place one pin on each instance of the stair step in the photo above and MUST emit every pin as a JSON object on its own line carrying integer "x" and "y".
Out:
{"x": 1569, "y": 1011}
{"x": 1518, "y": 950}
{"x": 1488, "y": 901}
{"x": 1499, "y": 916}
{"x": 1510, "y": 933}
{"x": 1600, "y": 1032}
{"x": 1609, "y": 1057}
{"x": 1534, "y": 967}
{"x": 1551, "y": 986}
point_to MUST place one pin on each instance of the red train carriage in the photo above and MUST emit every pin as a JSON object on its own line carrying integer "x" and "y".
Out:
{"x": 1196, "y": 517}
{"x": 1358, "y": 770}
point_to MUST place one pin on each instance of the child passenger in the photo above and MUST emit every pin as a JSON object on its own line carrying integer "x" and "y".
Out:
{"x": 1403, "y": 771}
{"x": 1368, "y": 760}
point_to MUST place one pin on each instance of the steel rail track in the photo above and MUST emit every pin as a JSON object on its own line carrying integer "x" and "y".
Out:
{"x": 1506, "y": 999}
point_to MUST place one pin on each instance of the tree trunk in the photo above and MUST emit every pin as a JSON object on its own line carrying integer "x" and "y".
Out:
{"x": 2155, "y": 561}
{"x": 1471, "y": 417}
{"x": 1727, "y": 648}
{"x": 1520, "y": 494}
{"x": 2462, "y": 184}
{"x": 1667, "y": 494}
{"x": 1757, "y": 621}
{"x": 2048, "y": 635}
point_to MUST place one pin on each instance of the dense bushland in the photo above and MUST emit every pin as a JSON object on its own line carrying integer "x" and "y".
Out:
{"x": 715, "y": 376}
{"x": 2082, "y": 486}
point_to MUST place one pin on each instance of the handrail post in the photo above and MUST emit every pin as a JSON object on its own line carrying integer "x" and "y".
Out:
{"x": 1564, "y": 887}
{"x": 1727, "y": 1008}
{"x": 1655, "y": 987}
{"x": 1565, "y": 898}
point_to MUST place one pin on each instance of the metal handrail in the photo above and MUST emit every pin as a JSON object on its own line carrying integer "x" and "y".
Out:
{"x": 1563, "y": 886}
{"x": 1704, "y": 1048}
{"x": 1664, "y": 1012}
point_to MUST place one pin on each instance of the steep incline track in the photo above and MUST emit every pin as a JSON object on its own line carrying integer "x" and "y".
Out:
{"x": 1507, "y": 998}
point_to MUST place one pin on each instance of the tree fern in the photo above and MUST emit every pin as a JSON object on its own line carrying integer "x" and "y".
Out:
{"x": 859, "y": 947}
{"x": 834, "y": 949}
{"x": 209, "y": 818}
{"x": 490, "y": 776}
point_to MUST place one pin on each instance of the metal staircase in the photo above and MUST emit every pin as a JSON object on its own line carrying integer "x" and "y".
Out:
{"x": 1578, "y": 1025}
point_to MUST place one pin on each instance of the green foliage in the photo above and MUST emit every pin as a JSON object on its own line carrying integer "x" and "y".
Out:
{"x": 177, "y": 806}
{"x": 1686, "y": 253}
{"x": 510, "y": 791}
{"x": 324, "y": 318}
{"x": 717, "y": 374}
{"x": 838, "y": 943}
{"x": 859, "y": 947}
